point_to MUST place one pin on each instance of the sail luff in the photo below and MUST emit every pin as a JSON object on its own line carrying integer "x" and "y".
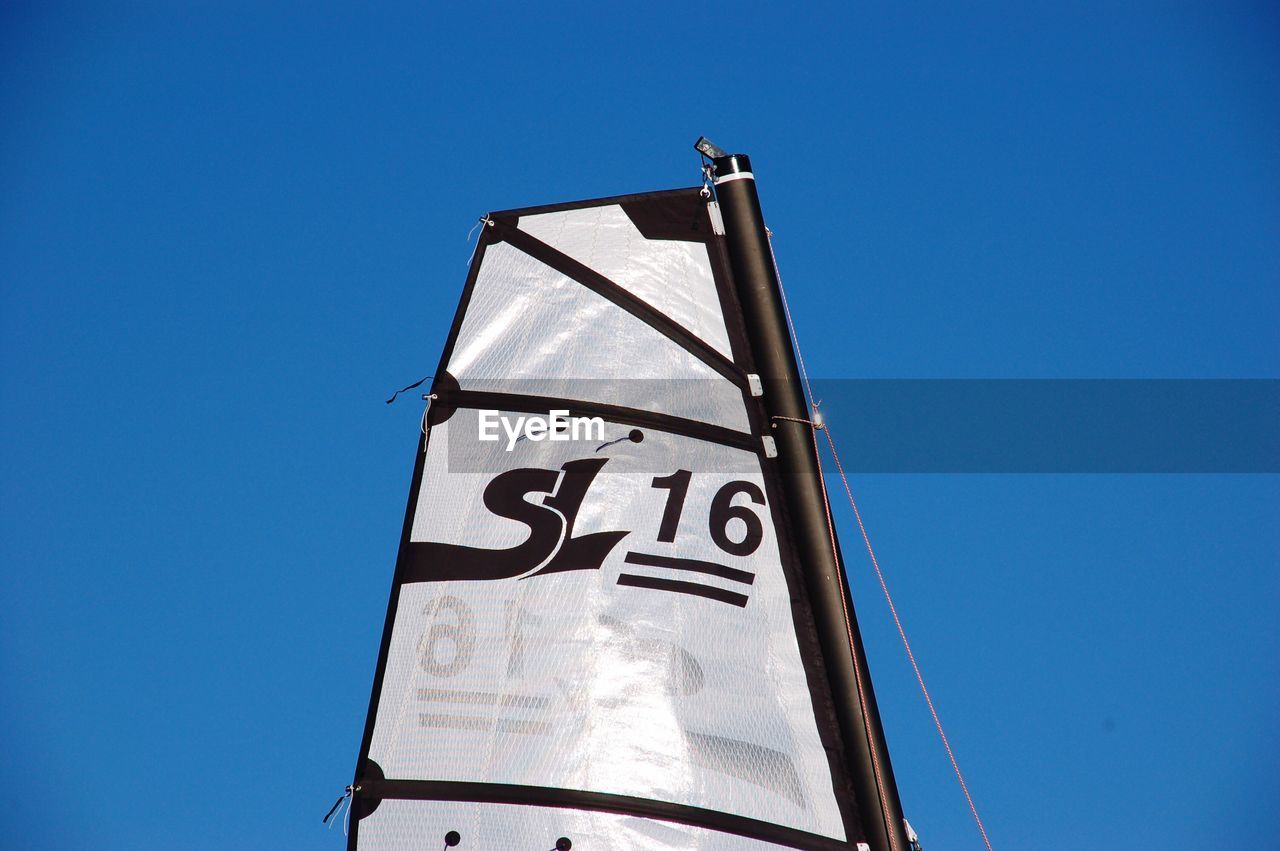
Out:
{"x": 360, "y": 805}
{"x": 862, "y": 736}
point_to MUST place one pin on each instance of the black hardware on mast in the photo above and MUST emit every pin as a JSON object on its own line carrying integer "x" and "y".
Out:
{"x": 756, "y": 280}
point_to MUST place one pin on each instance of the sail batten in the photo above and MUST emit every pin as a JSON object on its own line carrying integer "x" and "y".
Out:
{"x": 610, "y": 631}
{"x": 528, "y": 321}
{"x": 536, "y": 402}
{"x": 604, "y": 813}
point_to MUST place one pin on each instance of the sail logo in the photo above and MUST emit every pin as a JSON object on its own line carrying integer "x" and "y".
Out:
{"x": 556, "y": 426}
{"x": 551, "y": 546}
{"x": 547, "y": 503}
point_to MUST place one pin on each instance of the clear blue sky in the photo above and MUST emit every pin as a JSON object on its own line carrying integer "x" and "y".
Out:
{"x": 228, "y": 230}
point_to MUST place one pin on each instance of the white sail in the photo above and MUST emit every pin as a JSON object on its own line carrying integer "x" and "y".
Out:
{"x": 599, "y": 635}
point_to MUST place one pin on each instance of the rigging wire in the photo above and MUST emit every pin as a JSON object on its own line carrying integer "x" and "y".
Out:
{"x": 484, "y": 221}
{"x": 817, "y": 425}
{"x": 853, "y": 653}
{"x": 893, "y": 610}
{"x": 814, "y": 426}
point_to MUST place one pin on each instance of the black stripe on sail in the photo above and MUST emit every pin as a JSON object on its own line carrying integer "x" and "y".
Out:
{"x": 447, "y": 397}
{"x": 376, "y": 789}
{"x": 637, "y": 307}
{"x": 679, "y": 586}
{"x": 690, "y": 195}
{"x": 675, "y": 563}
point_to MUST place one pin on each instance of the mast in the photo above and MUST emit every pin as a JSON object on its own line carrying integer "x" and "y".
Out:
{"x": 751, "y": 260}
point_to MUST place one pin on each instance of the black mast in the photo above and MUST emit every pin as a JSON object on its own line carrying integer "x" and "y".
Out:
{"x": 755, "y": 278}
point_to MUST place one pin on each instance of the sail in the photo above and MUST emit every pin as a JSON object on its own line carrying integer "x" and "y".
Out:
{"x": 598, "y": 628}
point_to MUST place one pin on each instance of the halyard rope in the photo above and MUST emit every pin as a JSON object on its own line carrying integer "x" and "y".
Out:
{"x": 903, "y": 635}
{"x": 817, "y": 425}
{"x": 345, "y": 802}
{"x": 889, "y": 827}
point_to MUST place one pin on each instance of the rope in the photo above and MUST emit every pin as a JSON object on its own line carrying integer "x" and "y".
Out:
{"x": 791, "y": 326}
{"x": 853, "y": 654}
{"x": 814, "y": 426}
{"x": 964, "y": 787}
{"x": 430, "y": 397}
{"x": 817, "y": 425}
{"x": 346, "y": 799}
{"x": 417, "y": 383}
{"x": 483, "y": 222}
{"x": 335, "y": 806}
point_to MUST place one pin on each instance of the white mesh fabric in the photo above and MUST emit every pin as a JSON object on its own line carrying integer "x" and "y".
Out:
{"x": 577, "y": 680}
{"x": 673, "y": 276}
{"x": 527, "y": 322}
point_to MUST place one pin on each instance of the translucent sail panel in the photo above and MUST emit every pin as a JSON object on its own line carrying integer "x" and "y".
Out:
{"x": 673, "y": 276}
{"x": 397, "y": 825}
{"x": 613, "y": 620}
{"x": 532, "y": 330}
